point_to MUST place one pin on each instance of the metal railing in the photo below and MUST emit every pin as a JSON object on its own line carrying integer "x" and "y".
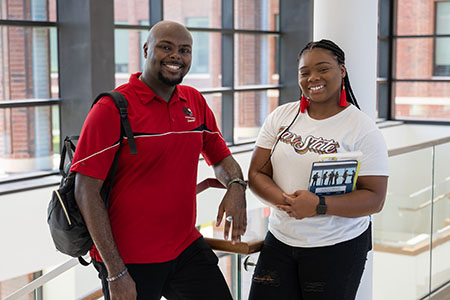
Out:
{"x": 38, "y": 282}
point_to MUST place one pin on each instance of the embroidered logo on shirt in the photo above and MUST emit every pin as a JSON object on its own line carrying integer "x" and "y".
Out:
{"x": 188, "y": 114}
{"x": 310, "y": 143}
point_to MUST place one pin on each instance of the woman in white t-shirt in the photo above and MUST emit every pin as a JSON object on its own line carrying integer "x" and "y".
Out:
{"x": 316, "y": 247}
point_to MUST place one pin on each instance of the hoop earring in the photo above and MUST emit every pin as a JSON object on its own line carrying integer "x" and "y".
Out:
{"x": 343, "y": 98}
{"x": 304, "y": 102}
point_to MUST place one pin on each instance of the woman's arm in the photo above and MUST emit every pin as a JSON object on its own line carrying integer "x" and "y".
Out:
{"x": 367, "y": 199}
{"x": 260, "y": 178}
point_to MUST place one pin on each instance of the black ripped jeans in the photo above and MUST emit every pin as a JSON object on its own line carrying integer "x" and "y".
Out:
{"x": 320, "y": 273}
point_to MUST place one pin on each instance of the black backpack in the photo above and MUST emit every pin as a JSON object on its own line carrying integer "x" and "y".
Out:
{"x": 67, "y": 227}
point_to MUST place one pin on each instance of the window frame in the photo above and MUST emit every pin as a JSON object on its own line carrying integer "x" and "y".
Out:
{"x": 29, "y": 102}
{"x": 386, "y": 61}
{"x": 436, "y": 4}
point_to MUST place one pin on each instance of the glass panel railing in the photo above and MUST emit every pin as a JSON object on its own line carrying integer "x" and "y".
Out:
{"x": 402, "y": 229}
{"x": 75, "y": 283}
{"x": 440, "y": 260}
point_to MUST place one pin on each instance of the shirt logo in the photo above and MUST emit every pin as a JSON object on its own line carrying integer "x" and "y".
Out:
{"x": 310, "y": 143}
{"x": 188, "y": 114}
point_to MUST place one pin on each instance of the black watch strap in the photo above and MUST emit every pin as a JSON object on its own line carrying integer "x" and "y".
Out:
{"x": 321, "y": 208}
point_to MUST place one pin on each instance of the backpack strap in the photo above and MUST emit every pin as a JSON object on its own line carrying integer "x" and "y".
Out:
{"x": 82, "y": 261}
{"x": 107, "y": 190}
{"x": 125, "y": 128}
{"x": 67, "y": 149}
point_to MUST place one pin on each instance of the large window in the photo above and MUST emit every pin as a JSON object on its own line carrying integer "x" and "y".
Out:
{"x": 29, "y": 134}
{"x": 417, "y": 71}
{"x": 234, "y": 64}
{"x": 442, "y": 44}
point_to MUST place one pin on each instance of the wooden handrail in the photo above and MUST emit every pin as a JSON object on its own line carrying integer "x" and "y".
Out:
{"x": 249, "y": 247}
{"x": 419, "y": 146}
{"x": 426, "y": 203}
{"x": 95, "y": 295}
{"x": 209, "y": 183}
{"x": 413, "y": 250}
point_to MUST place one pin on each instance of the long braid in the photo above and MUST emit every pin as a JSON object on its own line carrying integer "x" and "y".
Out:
{"x": 340, "y": 56}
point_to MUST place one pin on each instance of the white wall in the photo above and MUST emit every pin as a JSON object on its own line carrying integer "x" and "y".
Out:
{"x": 352, "y": 24}
{"x": 26, "y": 245}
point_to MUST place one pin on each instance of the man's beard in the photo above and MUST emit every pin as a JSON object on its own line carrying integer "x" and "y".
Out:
{"x": 169, "y": 82}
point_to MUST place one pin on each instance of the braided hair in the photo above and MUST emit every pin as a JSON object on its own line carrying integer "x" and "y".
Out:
{"x": 340, "y": 57}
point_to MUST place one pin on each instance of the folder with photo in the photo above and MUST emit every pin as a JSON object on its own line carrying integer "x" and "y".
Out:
{"x": 331, "y": 177}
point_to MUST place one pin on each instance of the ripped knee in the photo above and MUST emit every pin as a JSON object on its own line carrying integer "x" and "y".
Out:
{"x": 267, "y": 277}
{"x": 314, "y": 287}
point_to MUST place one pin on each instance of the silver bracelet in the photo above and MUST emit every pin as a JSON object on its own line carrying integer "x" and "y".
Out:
{"x": 237, "y": 180}
{"x": 109, "y": 279}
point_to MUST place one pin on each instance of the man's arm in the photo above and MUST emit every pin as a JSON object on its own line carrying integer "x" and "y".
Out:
{"x": 233, "y": 203}
{"x": 92, "y": 207}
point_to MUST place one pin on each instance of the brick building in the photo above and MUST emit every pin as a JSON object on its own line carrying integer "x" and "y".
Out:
{"x": 415, "y": 59}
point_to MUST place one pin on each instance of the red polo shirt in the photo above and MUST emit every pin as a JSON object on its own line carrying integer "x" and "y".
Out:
{"x": 153, "y": 199}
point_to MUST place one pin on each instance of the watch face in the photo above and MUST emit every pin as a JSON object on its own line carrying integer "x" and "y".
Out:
{"x": 321, "y": 209}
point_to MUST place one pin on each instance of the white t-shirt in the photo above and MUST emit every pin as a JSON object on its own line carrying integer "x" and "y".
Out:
{"x": 348, "y": 131}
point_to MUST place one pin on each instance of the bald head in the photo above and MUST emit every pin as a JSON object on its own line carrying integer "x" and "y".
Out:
{"x": 168, "y": 28}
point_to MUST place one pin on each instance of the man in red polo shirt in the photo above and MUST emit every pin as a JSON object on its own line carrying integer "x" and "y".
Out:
{"x": 146, "y": 244}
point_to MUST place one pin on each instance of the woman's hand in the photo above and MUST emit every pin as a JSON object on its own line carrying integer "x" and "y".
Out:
{"x": 301, "y": 204}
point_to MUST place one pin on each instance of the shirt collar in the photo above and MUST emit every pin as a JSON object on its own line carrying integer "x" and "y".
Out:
{"x": 146, "y": 94}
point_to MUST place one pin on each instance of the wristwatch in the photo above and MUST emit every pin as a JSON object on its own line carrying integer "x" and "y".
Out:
{"x": 321, "y": 208}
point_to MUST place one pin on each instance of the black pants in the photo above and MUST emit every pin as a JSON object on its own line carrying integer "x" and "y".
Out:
{"x": 194, "y": 274}
{"x": 325, "y": 273}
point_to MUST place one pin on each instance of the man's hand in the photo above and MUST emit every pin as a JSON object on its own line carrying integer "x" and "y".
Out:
{"x": 301, "y": 204}
{"x": 123, "y": 288}
{"x": 233, "y": 205}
